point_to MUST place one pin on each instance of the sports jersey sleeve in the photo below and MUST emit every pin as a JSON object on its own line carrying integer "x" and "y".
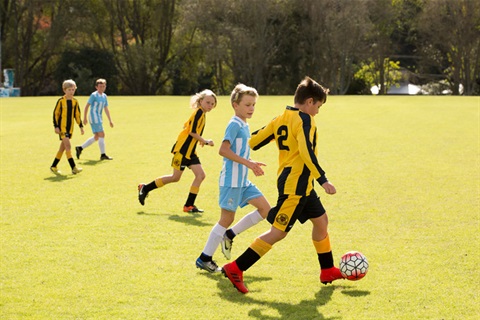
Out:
{"x": 198, "y": 122}
{"x": 306, "y": 147}
{"x": 231, "y": 132}
{"x": 57, "y": 114}
{"x": 78, "y": 117}
{"x": 262, "y": 136}
{"x": 91, "y": 99}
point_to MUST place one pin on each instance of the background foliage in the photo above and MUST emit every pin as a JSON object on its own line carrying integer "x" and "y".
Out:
{"x": 182, "y": 46}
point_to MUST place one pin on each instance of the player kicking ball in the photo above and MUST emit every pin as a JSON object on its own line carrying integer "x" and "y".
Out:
{"x": 295, "y": 133}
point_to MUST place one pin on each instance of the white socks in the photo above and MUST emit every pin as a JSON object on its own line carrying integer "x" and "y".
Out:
{"x": 246, "y": 222}
{"x": 214, "y": 239}
{"x": 88, "y": 142}
{"x": 101, "y": 144}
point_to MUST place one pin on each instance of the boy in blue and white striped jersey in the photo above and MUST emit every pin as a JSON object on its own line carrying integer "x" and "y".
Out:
{"x": 97, "y": 102}
{"x": 235, "y": 188}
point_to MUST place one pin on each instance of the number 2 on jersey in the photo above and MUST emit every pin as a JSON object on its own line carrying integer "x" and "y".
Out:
{"x": 282, "y": 133}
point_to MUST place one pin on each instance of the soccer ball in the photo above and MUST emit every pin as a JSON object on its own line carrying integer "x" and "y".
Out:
{"x": 353, "y": 265}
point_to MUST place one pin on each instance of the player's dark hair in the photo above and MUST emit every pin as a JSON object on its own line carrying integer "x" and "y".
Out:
{"x": 309, "y": 88}
{"x": 99, "y": 81}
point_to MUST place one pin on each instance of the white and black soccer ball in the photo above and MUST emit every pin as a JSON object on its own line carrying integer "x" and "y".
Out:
{"x": 353, "y": 265}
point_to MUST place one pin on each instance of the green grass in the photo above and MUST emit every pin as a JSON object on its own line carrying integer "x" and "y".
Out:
{"x": 407, "y": 173}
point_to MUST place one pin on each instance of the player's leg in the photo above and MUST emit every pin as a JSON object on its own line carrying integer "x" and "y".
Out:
{"x": 101, "y": 144}
{"x": 234, "y": 270}
{"x": 86, "y": 144}
{"x": 205, "y": 260}
{"x": 68, "y": 153}
{"x": 57, "y": 158}
{"x": 178, "y": 168}
{"x": 194, "y": 188}
{"x": 144, "y": 189}
{"x": 282, "y": 217}
{"x": 321, "y": 242}
{"x": 262, "y": 208}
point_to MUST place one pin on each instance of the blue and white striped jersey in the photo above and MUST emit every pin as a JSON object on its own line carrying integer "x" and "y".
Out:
{"x": 97, "y": 103}
{"x": 234, "y": 174}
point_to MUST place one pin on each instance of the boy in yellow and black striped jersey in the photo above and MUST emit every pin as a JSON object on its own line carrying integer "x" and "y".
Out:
{"x": 295, "y": 133}
{"x": 66, "y": 112}
{"x": 184, "y": 152}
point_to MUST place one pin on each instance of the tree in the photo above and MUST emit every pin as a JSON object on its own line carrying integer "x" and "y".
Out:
{"x": 85, "y": 66}
{"x": 370, "y": 74}
{"x": 450, "y": 31}
{"x": 333, "y": 38}
{"x": 139, "y": 36}
{"x": 383, "y": 16}
{"x": 34, "y": 38}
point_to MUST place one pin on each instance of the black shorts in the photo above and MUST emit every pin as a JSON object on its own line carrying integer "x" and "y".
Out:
{"x": 291, "y": 208}
{"x": 179, "y": 161}
{"x": 65, "y": 135}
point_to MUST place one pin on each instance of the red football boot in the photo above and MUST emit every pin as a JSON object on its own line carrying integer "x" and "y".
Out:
{"x": 330, "y": 274}
{"x": 235, "y": 275}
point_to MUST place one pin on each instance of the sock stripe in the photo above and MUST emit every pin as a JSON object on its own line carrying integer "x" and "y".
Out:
{"x": 260, "y": 247}
{"x": 323, "y": 246}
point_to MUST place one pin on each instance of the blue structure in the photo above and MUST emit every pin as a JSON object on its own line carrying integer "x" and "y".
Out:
{"x": 8, "y": 89}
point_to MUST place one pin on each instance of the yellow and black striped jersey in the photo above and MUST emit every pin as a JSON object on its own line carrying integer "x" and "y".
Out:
{"x": 295, "y": 133}
{"x": 185, "y": 143}
{"x": 65, "y": 113}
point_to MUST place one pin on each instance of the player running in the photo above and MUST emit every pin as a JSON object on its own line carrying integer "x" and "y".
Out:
{"x": 184, "y": 152}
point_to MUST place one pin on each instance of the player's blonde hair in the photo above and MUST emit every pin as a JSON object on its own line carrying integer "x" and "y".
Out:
{"x": 240, "y": 90}
{"x": 69, "y": 84}
{"x": 198, "y": 97}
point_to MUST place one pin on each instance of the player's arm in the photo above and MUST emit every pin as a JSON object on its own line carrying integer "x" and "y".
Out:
{"x": 201, "y": 140}
{"x": 226, "y": 152}
{"x": 78, "y": 117}
{"x": 307, "y": 153}
{"x": 262, "y": 137}
{"x": 107, "y": 112}
{"x": 56, "y": 116}
{"x": 197, "y": 123}
{"x": 85, "y": 112}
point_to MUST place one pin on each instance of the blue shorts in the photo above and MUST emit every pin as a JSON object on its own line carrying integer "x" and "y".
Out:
{"x": 96, "y": 127}
{"x": 232, "y": 198}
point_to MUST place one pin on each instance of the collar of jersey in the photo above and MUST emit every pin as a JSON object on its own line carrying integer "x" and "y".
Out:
{"x": 240, "y": 120}
{"x": 292, "y": 108}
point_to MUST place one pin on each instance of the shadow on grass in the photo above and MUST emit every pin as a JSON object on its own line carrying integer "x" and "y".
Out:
{"x": 355, "y": 293}
{"x": 306, "y": 309}
{"x": 91, "y": 162}
{"x": 58, "y": 178}
{"x": 190, "y": 218}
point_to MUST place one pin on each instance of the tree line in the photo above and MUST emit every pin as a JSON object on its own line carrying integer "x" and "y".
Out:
{"x": 178, "y": 47}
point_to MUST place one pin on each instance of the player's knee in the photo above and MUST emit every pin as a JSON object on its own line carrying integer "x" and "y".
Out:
{"x": 175, "y": 178}
{"x": 201, "y": 176}
{"x": 263, "y": 210}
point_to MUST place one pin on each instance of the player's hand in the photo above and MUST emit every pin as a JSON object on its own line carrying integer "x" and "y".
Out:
{"x": 329, "y": 188}
{"x": 256, "y": 167}
{"x": 57, "y": 130}
{"x": 206, "y": 142}
{"x": 82, "y": 131}
{"x": 111, "y": 124}
{"x": 85, "y": 121}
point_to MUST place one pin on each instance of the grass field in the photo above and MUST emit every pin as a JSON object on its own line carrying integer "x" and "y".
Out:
{"x": 407, "y": 173}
